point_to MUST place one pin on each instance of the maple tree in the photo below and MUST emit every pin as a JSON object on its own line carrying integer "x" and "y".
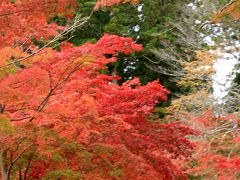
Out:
{"x": 217, "y": 152}
{"x": 23, "y": 20}
{"x": 60, "y": 117}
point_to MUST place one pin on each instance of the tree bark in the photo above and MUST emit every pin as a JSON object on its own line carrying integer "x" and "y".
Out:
{"x": 3, "y": 166}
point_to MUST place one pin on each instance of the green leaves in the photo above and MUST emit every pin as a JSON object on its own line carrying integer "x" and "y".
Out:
{"x": 5, "y": 125}
{"x": 65, "y": 174}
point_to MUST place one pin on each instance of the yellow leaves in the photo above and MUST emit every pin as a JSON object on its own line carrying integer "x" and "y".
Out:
{"x": 132, "y": 1}
{"x": 197, "y": 81}
{"x": 44, "y": 56}
{"x": 103, "y": 3}
{"x": 85, "y": 60}
{"x": 202, "y": 63}
{"x": 194, "y": 102}
{"x": 9, "y": 60}
{"x": 9, "y": 54}
{"x": 205, "y": 56}
{"x": 5, "y": 125}
{"x": 232, "y": 9}
{"x": 198, "y": 71}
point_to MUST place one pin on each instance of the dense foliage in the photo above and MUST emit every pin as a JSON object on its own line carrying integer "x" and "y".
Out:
{"x": 61, "y": 117}
{"x": 80, "y": 92}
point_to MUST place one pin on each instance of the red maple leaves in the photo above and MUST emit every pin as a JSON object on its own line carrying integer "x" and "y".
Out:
{"x": 61, "y": 114}
{"x": 24, "y": 20}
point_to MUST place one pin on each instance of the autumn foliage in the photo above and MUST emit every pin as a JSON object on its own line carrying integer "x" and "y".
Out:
{"x": 23, "y": 20}
{"x": 217, "y": 152}
{"x": 60, "y": 117}
{"x": 71, "y": 111}
{"x": 103, "y": 3}
{"x": 232, "y": 9}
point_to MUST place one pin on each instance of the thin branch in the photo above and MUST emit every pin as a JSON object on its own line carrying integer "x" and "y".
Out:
{"x": 28, "y": 166}
{"x": 77, "y": 23}
{"x": 50, "y": 93}
{"x": 20, "y": 119}
{"x": 11, "y": 13}
{"x": 16, "y": 159}
{"x": 227, "y": 5}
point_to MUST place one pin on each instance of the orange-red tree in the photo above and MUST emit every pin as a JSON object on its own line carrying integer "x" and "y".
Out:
{"x": 217, "y": 153}
{"x": 61, "y": 118}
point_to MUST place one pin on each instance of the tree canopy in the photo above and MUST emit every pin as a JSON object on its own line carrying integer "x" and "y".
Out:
{"x": 115, "y": 89}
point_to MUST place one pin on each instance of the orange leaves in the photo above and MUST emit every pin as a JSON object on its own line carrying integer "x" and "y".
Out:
{"x": 217, "y": 151}
{"x": 25, "y": 19}
{"x": 68, "y": 108}
{"x": 103, "y": 3}
{"x": 45, "y": 56}
{"x": 30, "y": 19}
{"x": 232, "y": 9}
{"x": 198, "y": 71}
{"x": 68, "y": 116}
{"x": 25, "y": 92}
{"x": 8, "y": 54}
{"x": 218, "y": 166}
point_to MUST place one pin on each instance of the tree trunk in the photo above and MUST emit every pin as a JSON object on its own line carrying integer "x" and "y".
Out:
{"x": 3, "y": 166}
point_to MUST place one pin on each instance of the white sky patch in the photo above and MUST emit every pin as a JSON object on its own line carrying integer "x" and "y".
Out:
{"x": 139, "y": 8}
{"x": 191, "y": 5}
{"x": 198, "y": 21}
{"x": 209, "y": 41}
{"x": 225, "y": 64}
{"x": 222, "y": 80}
{"x": 136, "y": 28}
